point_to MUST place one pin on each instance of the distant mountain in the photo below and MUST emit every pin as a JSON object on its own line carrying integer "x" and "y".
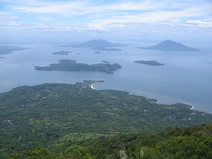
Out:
{"x": 9, "y": 49}
{"x": 97, "y": 44}
{"x": 169, "y": 45}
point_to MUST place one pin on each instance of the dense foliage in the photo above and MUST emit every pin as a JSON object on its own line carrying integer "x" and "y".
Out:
{"x": 50, "y": 115}
{"x": 71, "y": 65}
{"x": 180, "y": 143}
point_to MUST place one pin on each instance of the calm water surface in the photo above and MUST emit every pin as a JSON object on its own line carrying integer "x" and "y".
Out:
{"x": 186, "y": 76}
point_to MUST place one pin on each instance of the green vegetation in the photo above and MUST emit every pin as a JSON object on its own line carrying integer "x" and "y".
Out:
{"x": 71, "y": 65}
{"x": 151, "y": 62}
{"x": 53, "y": 115}
{"x": 180, "y": 143}
{"x": 90, "y": 82}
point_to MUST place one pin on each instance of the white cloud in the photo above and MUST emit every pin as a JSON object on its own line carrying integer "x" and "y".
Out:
{"x": 147, "y": 11}
{"x": 205, "y": 24}
{"x": 7, "y": 20}
{"x": 84, "y": 7}
{"x": 54, "y": 8}
{"x": 91, "y": 15}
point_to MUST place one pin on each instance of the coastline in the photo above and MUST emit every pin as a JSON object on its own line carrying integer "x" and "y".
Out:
{"x": 92, "y": 86}
{"x": 192, "y": 107}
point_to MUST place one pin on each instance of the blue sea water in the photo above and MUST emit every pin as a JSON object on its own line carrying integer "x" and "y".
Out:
{"x": 186, "y": 76}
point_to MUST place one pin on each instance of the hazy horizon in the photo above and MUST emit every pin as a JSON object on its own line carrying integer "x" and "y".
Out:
{"x": 54, "y": 21}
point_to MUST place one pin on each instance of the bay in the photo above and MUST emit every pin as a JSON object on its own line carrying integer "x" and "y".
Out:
{"x": 186, "y": 76}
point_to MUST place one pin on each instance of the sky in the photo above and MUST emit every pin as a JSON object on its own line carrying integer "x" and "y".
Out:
{"x": 121, "y": 20}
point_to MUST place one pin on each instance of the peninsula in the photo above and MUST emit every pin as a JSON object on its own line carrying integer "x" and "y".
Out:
{"x": 72, "y": 65}
{"x": 169, "y": 45}
{"x": 9, "y": 49}
{"x": 150, "y": 62}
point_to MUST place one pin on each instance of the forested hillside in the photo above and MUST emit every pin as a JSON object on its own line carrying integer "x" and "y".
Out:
{"x": 51, "y": 115}
{"x": 180, "y": 143}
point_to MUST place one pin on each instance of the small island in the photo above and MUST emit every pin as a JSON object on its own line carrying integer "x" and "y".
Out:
{"x": 150, "y": 62}
{"x": 1, "y": 57}
{"x": 72, "y": 65}
{"x": 106, "y": 49}
{"x": 61, "y": 53}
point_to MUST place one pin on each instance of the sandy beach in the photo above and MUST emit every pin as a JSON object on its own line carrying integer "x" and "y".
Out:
{"x": 92, "y": 86}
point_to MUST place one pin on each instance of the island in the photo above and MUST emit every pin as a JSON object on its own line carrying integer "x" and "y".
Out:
{"x": 97, "y": 44}
{"x": 150, "y": 62}
{"x": 72, "y": 65}
{"x": 1, "y": 57}
{"x": 61, "y": 53}
{"x": 106, "y": 49}
{"x": 169, "y": 45}
{"x": 9, "y": 49}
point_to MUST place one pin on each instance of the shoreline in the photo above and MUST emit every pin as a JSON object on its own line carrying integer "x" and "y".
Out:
{"x": 192, "y": 107}
{"x": 92, "y": 86}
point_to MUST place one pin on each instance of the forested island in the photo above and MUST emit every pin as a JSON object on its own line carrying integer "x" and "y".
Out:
{"x": 61, "y": 53}
{"x": 72, "y": 65}
{"x": 150, "y": 62}
{"x": 68, "y": 118}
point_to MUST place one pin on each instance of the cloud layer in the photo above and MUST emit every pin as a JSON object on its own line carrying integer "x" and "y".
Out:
{"x": 72, "y": 15}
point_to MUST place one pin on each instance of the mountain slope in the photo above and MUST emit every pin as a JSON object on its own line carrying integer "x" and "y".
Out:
{"x": 97, "y": 44}
{"x": 51, "y": 114}
{"x": 169, "y": 45}
{"x": 192, "y": 142}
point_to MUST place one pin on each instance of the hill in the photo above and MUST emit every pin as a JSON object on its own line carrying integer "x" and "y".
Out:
{"x": 50, "y": 115}
{"x": 169, "y": 45}
{"x": 192, "y": 142}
